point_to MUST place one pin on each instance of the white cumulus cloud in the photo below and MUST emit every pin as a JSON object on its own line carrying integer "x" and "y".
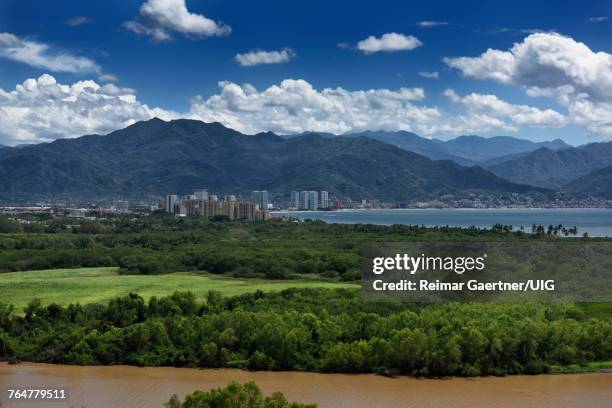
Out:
{"x": 40, "y": 55}
{"x": 160, "y": 18}
{"x": 390, "y": 42}
{"x": 552, "y": 65}
{"x": 484, "y": 109}
{"x": 259, "y": 57}
{"x": 42, "y": 109}
{"x": 296, "y": 106}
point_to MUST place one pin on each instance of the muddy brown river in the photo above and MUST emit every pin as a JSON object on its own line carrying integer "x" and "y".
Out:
{"x": 134, "y": 387}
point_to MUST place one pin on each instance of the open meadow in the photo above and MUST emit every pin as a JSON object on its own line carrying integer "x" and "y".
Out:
{"x": 98, "y": 285}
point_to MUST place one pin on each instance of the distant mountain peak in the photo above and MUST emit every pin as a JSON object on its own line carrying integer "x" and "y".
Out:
{"x": 554, "y": 168}
{"x": 598, "y": 182}
{"x": 149, "y": 158}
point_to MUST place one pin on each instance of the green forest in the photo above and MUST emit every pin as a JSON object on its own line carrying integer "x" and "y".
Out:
{"x": 159, "y": 244}
{"x": 327, "y": 330}
{"x": 308, "y": 329}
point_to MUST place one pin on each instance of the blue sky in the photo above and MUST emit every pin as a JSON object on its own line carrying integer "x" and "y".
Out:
{"x": 179, "y": 75}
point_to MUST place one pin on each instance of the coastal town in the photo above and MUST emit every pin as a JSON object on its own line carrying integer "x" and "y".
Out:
{"x": 259, "y": 203}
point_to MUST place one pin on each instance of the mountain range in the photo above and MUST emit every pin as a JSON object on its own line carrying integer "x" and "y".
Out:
{"x": 598, "y": 183}
{"x": 555, "y": 169}
{"x": 465, "y": 150}
{"x": 155, "y": 157}
{"x": 551, "y": 164}
{"x": 499, "y": 148}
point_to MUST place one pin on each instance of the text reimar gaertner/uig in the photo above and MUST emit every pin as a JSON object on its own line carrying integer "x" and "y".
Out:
{"x": 473, "y": 285}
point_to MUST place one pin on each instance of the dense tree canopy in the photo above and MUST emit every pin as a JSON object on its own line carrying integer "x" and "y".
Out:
{"x": 309, "y": 329}
{"x": 235, "y": 395}
{"x": 161, "y": 244}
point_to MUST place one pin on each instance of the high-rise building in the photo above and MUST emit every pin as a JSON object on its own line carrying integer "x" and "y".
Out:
{"x": 313, "y": 200}
{"x": 324, "y": 200}
{"x": 234, "y": 210}
{"x": 210, "y": 206}
{"x": 261, "y": 198}
{"x": 295, "y": 199}
{"x": 201, "y": 194}
{"x": 303, "y": 204}
{"x": 120, "y": 206}
{"x": 170, "y": 202}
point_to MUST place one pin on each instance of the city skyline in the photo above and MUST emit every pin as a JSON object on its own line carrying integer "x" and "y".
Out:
{"x": 302, "y": 200}
{"x": 203, "y": 204}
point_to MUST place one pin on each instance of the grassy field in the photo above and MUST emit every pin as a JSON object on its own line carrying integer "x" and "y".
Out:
{"x": 92, "y": 285}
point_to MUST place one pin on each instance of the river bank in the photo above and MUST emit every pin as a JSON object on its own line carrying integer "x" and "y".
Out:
{"x": 127, "y": 386}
